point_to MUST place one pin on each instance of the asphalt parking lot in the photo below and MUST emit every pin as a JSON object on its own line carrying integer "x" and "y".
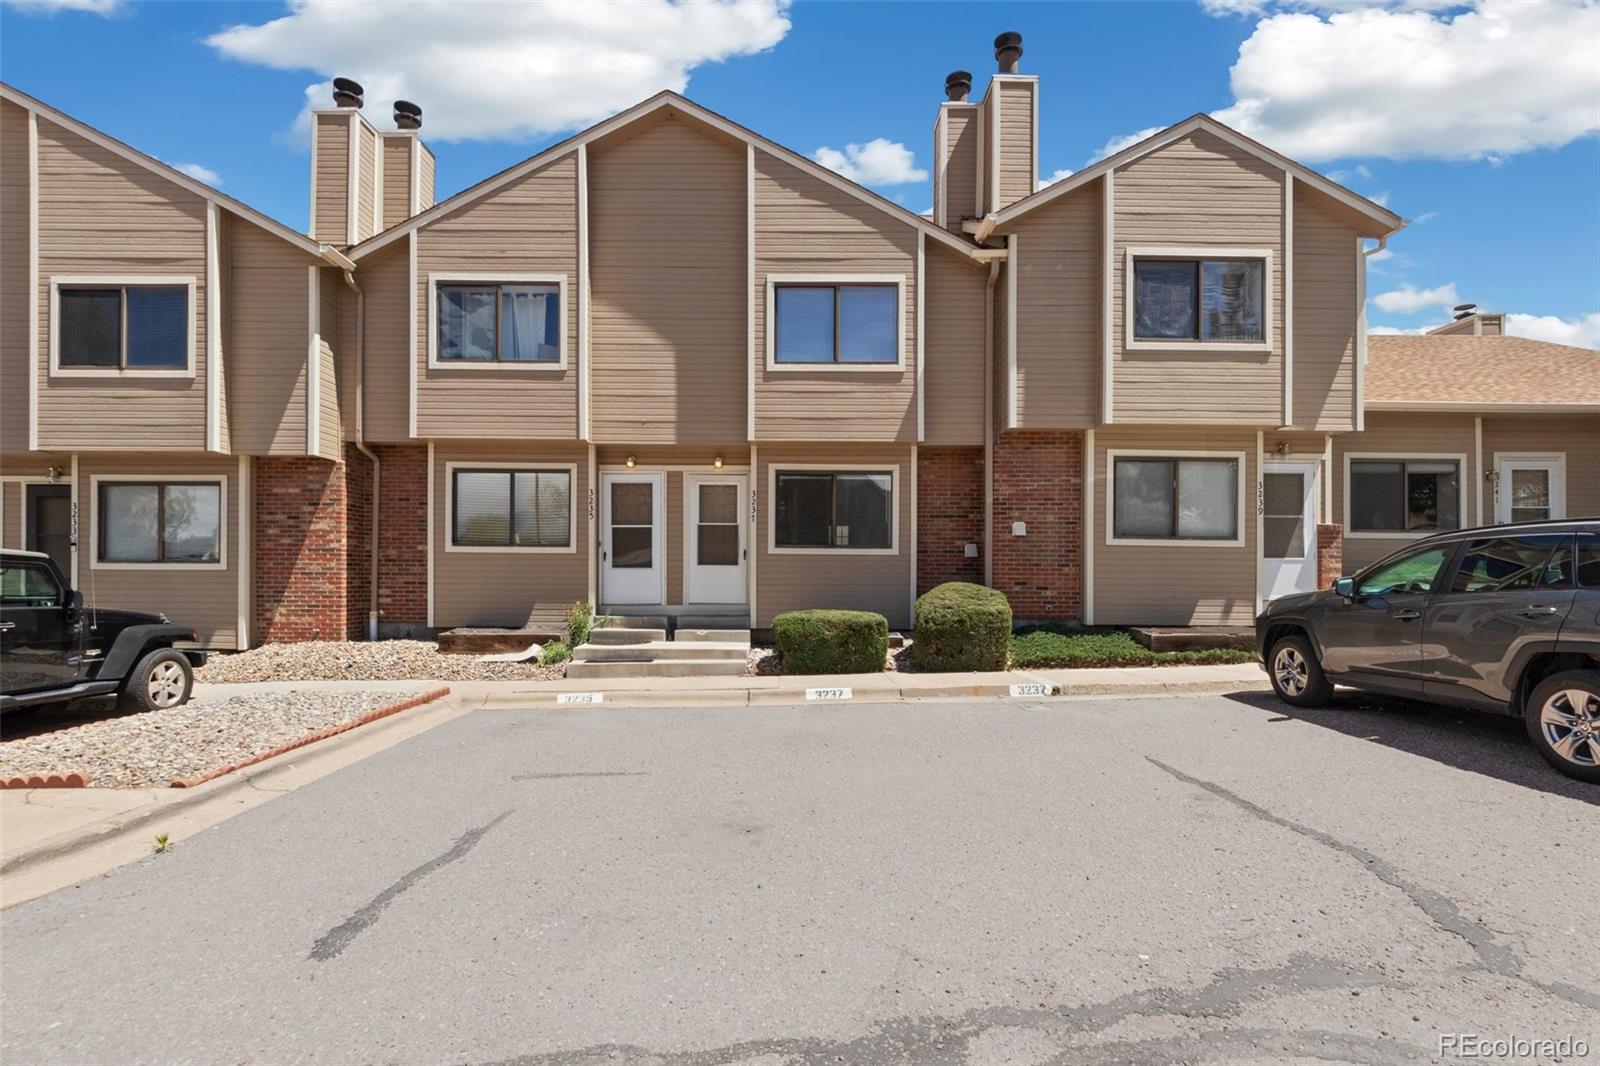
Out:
{"x": 1141, "y": 880}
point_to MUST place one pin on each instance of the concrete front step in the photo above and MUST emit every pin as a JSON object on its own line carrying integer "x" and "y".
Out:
{"x": 624, "y": 635}
{"x": 600, "y": 670}
{"x": 715, "y": 636}
{"x": 660, "y": 649}
{"x": 631, "y": 621}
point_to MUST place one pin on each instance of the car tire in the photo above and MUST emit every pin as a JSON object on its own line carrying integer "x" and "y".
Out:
{"x": 1563, "y": 719}
{"x": 162, "y": 679}
{"x": 1295, "y": 673}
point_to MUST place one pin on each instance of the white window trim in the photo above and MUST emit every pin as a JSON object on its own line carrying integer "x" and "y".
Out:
{"x": 1196, "y": 252}
{"x": 74, "y": 281}
{"x": 1112, "y": 540}
{"x": 220, "y": 480}
{"x": 1401, "y": 456}
{"x": 892, "y": 469}
{"x": 898, "y": 280}
{"x": 1558, "y": 486}
{"x": 450, "y": 546}
{"x": 493, "y": 277}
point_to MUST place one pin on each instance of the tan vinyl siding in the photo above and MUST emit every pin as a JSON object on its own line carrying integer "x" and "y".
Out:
{"x": 207, "y": 600}
{"x": 953, "y": 317}
{"x": 387, "y": 388}
{"x": 1017, "y": 101}
{"x": 101, "y": 215}
{"x": 668, "y": 278}
{"x": 1059, "y": 297}
{"x": 14, "y": 252}
{"x": 330, "y": 431}
{"x": 672, "y": 536}
{"x": 653, "y": 456}
{"x": 961, "y": 166}
{"x": 331, "y": 222}
{"x": 787, "y": 582}
{"x": 366, "y": 180}
{"x": 1195, "y": 192}
{"x": 1181, "y": 583}
{"x": 345, "y": 356}
{"x": 226, "y": 224}
{"x": 1001, "y": 342}
{"x": 1325, "y": 316}
{"x": 527, "y": 227}
{"x": 396, "y": 179}
{"x": 500, "y": 588}
{"x": 806, "y": 226}
{"x": 267, "y": 347}
{"x": 11, "y": 495}
{"x": 1404, "y": 435}
{"x": 1577, "y": 437}
{"x": 425, "y": 187}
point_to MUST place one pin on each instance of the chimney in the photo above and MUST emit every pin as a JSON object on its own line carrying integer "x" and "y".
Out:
{"x": 957, "y": 84}
{"x": 347, "y": 93}
{"x": 408, "y": 166}
{"x": 346, "y": 186}
{"x": 1008, "y": 51}
{"x": 1465, "y": 311}
{"x": 407, "y": 115}
{"x": 955, "y": 154}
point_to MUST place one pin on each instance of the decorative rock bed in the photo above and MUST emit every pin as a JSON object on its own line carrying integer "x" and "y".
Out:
{"x": 349, "y": 660}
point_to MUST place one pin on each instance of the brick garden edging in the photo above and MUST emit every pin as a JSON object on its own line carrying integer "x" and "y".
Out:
{"x": 72, "y": 780}
{"x": 312, "y": 738}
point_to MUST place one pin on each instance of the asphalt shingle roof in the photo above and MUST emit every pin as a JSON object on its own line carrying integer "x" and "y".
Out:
{"x": 1469, "y": 369}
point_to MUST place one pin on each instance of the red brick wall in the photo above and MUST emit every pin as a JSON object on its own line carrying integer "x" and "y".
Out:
{"x": 403, "y": 534}
{"x": 949, "y": 515}
{"x": 1330, "y": 554}
{"x": 358, "y": 541}
{"x": 300, "y": 542}
{"x": 1038, "y": 479}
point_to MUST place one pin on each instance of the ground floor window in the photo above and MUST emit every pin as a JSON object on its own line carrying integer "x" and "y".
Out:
{"x": 160, "y": 522}
{"x": 511, "y": 508}
{"x": 829, "y": 509}
{"x": 1404, "y": 495}
{"x": 1162, "y": 498}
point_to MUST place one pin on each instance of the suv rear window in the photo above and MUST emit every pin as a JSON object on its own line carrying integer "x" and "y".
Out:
{"x": 1507, "y": 564}
{"x": 1589, "y": 561}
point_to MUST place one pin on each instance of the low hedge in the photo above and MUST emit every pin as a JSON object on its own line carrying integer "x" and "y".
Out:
{"x": 961, "y": 626}
{"x": 1046, "y": 646}
{"x": 831, "y": 642}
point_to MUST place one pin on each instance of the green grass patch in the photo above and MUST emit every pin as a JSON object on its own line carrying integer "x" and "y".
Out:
{"x": 1046, "y": 646}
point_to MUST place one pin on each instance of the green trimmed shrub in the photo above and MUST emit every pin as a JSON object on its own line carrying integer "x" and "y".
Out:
{"x": 1050, "y": 646}
{"x": 961, "y": 626}
{"x": 580, "y": 620}
{"x": 554, "y": 652}
{"x": 831, "y": 642}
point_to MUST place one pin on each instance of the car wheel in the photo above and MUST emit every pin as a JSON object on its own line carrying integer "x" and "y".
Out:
{"x": 161, "y": 679}
{"x": 1296, "y": 675}
{"x": 1563, "y": 718}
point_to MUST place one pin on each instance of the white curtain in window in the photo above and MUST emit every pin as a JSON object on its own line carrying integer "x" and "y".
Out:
{"x": 527, "y": 330}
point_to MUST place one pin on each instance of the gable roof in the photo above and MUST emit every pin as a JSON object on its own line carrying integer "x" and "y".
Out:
{"x": 1466, "y": 372}
{"x": 1386, "y": 219}
{"x": 666, "y": 98}
{"x": 176, "y": 176}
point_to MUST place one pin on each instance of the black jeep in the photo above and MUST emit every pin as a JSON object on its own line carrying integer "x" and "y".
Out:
{"x": 54, "y": 649}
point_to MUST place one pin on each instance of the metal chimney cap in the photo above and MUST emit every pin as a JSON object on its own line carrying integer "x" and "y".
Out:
{"x": 347, "y": 93}
{"x": 1007, "y": 50}
{"x": 407, "y": 115}
{"x": 957, "y": 84}
{"x": 1465, "y": 307}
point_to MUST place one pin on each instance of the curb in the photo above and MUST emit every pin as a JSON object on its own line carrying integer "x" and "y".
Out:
{"x": 312, "y": 738}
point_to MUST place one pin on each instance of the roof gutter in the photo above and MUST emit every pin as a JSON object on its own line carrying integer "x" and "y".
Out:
{"x": 361, "y": 446}
{"x": 333, "y": 257}
{"x": 986, "y": 227}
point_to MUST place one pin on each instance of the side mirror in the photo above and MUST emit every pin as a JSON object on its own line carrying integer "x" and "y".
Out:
{"x": 1346, "y": 587}
{"x": 74, "y": 600}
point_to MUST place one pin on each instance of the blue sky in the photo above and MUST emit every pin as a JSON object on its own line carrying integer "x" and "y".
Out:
{"x": 1476, "y": 121}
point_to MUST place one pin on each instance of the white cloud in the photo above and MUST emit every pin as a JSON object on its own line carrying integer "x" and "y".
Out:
{"x": 1426, "y": 216}
{"x": 1408, "y": 299}
{"x": 1400, "y": 331}
{"x": 878, "y": 162}
{"x": 1059, "y": 175}
{"x": 1247, "y": 8}
{"x": 1380, "y": 198}
{"x": 51, "y": 7}
{"x": 199, "y": 173}
{"x": 1403, "y": 82}
{"x": 1582, "y": 331}
{"x": 1117, "y": 144}
{"x": 483, "y": 70}
{"x": 1381, "y": 255}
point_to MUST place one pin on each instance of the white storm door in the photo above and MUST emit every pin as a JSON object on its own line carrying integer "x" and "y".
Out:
{"x": 1530, "y": 488}
{"x": 715, "y": 543}
{"x": 631, "y": 569}
{"x": 1288, "y": 529}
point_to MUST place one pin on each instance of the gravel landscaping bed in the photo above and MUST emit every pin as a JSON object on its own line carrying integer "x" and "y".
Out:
{"x": 153, "y": 748}
{"x": 351, "y": 660}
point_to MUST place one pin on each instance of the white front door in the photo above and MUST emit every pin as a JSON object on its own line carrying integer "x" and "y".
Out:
{"x": 1288, "y": 529}
{"x": 715, "y": 540}
{"x": 1530, "y": 488}
{"x": 631, "y": 569}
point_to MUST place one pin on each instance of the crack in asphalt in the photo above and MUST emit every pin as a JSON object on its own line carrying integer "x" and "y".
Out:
{"x": 335, "y": 940}
{"x": 580, "y": 773}
{"x": 1440, "y": 909}
{"x": 937, "y": 1039}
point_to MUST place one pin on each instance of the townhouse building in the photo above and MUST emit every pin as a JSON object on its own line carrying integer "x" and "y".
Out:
{"x": 670, "y": 363}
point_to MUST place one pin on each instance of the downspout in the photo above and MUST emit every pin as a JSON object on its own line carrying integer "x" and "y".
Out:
{"x": 361, "y": 446}
{"x": 988, "y": 423}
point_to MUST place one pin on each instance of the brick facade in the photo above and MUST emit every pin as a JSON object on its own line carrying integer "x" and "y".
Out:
{"x": 1330, "y": 554}
{"x": 1038, "y": 480}
{"x": 949, "y": 515}
{"x": 403, "y": 538}
{"x": 301, "y": 550}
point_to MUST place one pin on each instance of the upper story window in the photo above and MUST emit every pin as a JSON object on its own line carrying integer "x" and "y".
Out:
{"x": 854, "y": 323}
{"x": 501, "y": 323}
{"x": 1404, "y": 495}
{"x": 1199, "y": 300}
{"x": 122, "y": 327}
{"x": 160, "y": 522}
{"x": 1175, "y": 498}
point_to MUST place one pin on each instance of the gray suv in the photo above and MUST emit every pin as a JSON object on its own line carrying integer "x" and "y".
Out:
{"x": 1501, "y": 618}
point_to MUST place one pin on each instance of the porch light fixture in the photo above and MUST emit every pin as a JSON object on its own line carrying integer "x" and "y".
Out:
{"x": 630, "y": 462}
{"x": 717, "y": 462}
{"x": 53, "y": 474}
